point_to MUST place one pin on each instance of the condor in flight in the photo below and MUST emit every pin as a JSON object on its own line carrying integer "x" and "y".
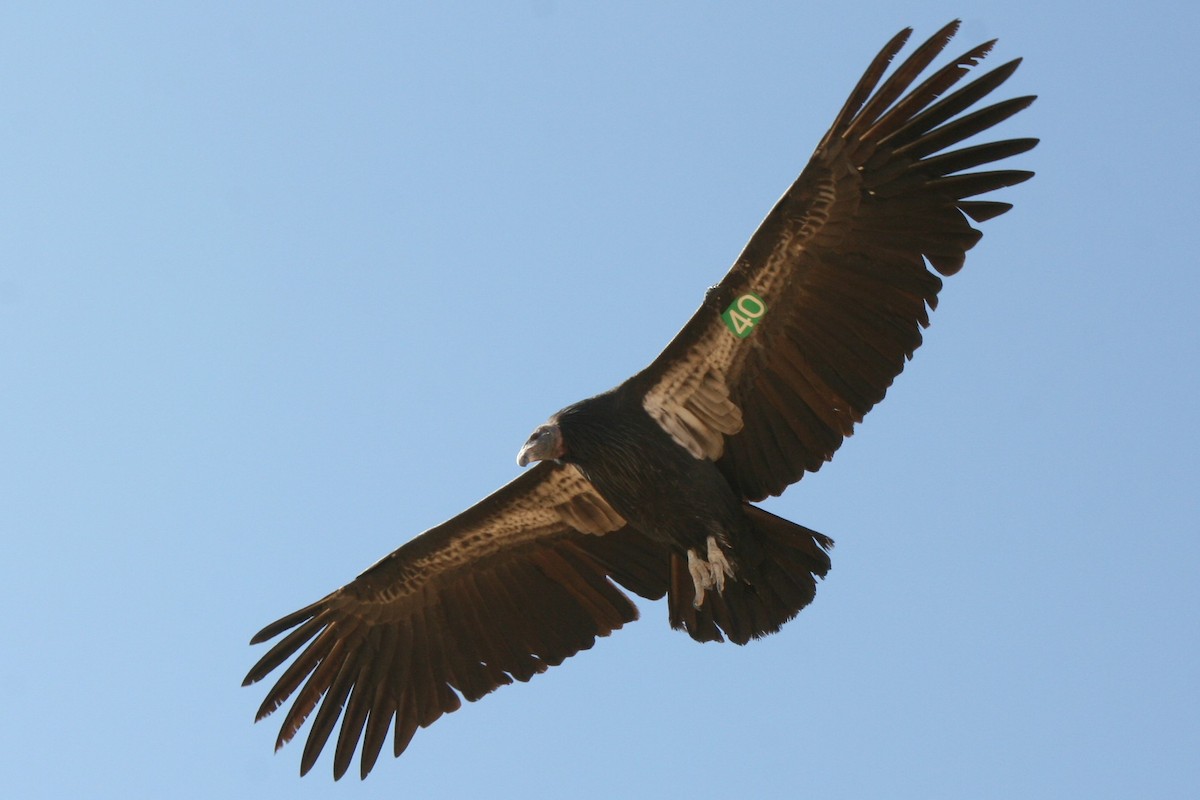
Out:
{"x": 649, "y": 485}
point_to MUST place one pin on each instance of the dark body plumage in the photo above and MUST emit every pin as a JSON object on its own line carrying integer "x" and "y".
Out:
{"x": 679, "y": 501}
{"x": 650, "y": 486}
{"x": 656, "y": 485}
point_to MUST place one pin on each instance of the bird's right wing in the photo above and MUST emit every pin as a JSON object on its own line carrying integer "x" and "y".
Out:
{"x": 508, "y": 588}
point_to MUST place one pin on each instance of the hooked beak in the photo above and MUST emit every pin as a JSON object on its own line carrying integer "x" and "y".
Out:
{"x": 524, "y": 457}
{"x": 545, "y": 444}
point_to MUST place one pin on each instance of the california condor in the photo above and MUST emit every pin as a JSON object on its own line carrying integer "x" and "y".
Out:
{"x": 650, "y": 485}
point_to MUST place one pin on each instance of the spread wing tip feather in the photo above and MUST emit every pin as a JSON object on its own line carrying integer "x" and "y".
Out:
{"x": 453, "y": 616}
{"x": 848, "y": 264}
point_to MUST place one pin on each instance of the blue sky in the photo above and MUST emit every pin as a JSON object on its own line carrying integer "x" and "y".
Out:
{"x": 282, "y": 285}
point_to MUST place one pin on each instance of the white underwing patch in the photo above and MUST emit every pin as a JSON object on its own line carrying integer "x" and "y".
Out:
{"x": 697, "y": 413}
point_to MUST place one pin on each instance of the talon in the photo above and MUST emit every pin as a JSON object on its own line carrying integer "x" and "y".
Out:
{"x": 699, "y": 570}
{"x": 717, "y": 563}
{"x": 708, "y": 574}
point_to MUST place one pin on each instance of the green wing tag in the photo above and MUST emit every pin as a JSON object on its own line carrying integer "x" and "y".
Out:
{"x": 744, "y": 313}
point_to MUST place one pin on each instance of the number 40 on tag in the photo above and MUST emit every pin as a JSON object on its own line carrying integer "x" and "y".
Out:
{"x": 744, "y": 313}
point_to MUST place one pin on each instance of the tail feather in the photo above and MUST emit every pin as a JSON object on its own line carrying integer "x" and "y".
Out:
{"x": 776, "y": 573}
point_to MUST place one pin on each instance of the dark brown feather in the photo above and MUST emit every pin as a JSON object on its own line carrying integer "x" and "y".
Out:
{"x": 843, "y": 263}
{"x": 776, "y": 583}
{"x": 455, "y": 614}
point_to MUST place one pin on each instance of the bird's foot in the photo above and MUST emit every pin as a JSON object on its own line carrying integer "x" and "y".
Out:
{"x": 710, "y": 573}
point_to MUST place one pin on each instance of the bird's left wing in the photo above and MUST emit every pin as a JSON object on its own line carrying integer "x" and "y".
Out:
{"x": 826, "y": 303}
{"x": 508, "y": 588}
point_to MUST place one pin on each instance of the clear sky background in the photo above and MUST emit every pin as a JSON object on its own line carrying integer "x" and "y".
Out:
{"x": 282, "y": 285}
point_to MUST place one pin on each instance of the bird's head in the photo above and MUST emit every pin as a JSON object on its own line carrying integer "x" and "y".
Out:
{"x": 544, "y": 444}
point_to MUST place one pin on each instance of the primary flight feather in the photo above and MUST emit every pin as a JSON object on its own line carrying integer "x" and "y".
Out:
{"x": 650, "y": 485}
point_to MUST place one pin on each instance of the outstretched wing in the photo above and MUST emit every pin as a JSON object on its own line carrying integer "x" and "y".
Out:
{"x": 819, "y": 313}
{"x": 508, "y": 588}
